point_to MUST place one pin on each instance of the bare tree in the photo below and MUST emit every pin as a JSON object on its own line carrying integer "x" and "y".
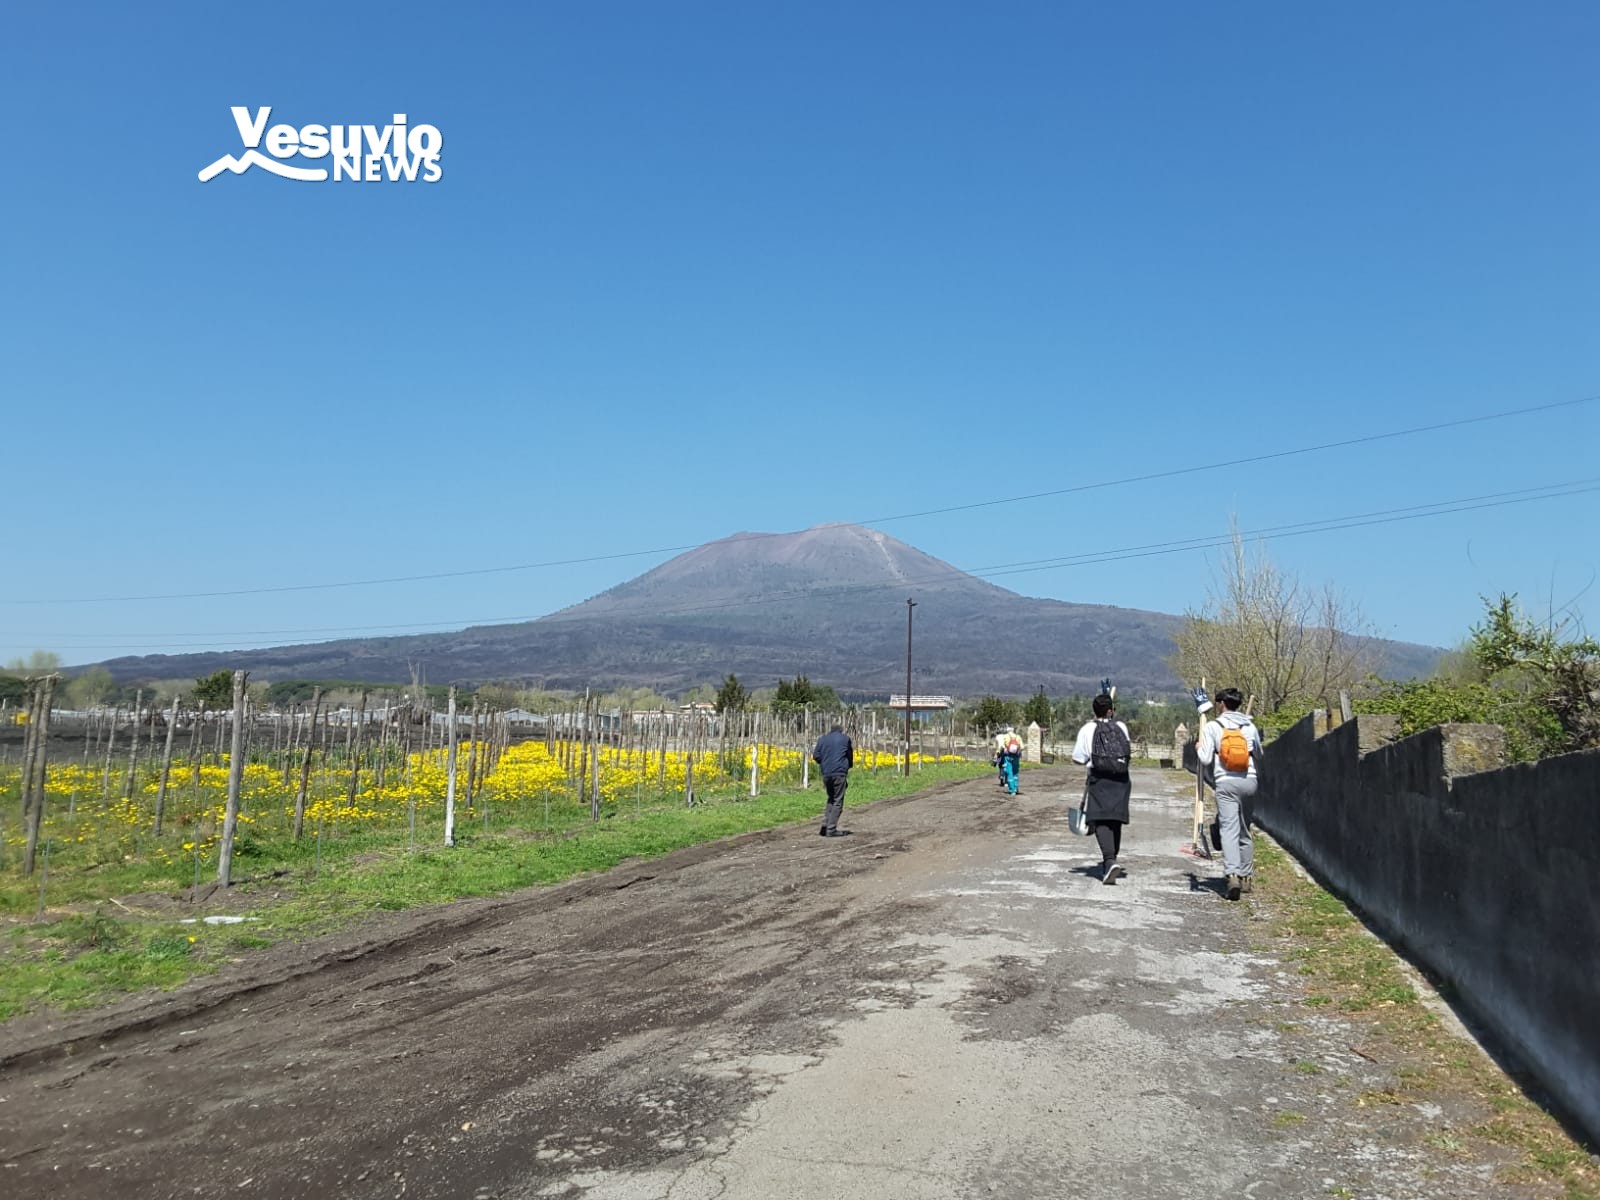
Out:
{"x": 1268, "y": 634}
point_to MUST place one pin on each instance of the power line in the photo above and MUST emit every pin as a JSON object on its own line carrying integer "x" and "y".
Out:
{"x": 1176, "y": 472}
{"x": 1156, "y": 549}
{"x": 1387, "y": 516}
{"x": 1173, "y": 473}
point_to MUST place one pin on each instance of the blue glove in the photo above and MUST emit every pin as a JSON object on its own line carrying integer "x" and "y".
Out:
{"x": 1105, "y": 687}
{"x": 1202, "y": 702}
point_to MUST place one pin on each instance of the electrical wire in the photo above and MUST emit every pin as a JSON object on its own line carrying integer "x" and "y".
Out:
{"x": 1173, "y": 473}
{"x": 999, "y": 570}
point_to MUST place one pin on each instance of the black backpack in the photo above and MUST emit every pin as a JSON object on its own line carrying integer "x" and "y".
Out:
{"x": 1109, "y": 753}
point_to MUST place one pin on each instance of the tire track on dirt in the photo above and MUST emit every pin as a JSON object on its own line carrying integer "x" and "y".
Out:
{"x": 33, "y": 1040}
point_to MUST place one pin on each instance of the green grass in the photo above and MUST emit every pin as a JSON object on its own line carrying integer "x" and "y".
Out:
{"x": 1344, "y": 966}
{"x": 81, "y": 958}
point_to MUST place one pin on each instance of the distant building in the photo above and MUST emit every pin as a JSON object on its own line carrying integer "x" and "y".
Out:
{"x": 922, "y": 703}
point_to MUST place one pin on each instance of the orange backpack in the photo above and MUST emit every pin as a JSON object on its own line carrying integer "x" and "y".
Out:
{"x": 1234, "y": 751}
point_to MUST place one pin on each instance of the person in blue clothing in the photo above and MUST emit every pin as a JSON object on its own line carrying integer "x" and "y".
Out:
{"x": 834, "y": 755}
{"x": 1008, "y": 751}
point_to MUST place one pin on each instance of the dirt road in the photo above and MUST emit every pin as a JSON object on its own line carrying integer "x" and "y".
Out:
{"x": 946, "y": 1004}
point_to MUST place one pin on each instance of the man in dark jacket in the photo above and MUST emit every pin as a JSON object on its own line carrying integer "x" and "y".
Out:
{"x": 834, "y": 756}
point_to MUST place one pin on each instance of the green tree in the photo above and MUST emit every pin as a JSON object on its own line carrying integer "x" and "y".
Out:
{"x": 40, "y": 662}
{"x": 699, "y": 694}
{"x": 1539, "y": 683}
{"x": 90, "y": 688}
{"x": 800, "y": 693}
{"x": 1156, "y": 723}
{"x": 731, "y": 696}
{"x": 992, "y": 712}
{"x": 1545, "y": 663}
{"x": 215, "y": 690}
{"x": 539, "y": 700}
{"x": 634, "y": 699}
{"x": 1070, "y": 712}
{"x": 285, "y": 692}
{"x": 13, "y": 688}
{"x": 1038, "y": 710}
{"x": 499, "y": 695}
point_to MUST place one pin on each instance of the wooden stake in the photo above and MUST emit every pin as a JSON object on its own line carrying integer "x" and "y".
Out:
{"x": 594, "y": 767}
{"x": 355, "y": 757}
{"x": 305, "y": 766}
{"x": 45, "y": 693}
{"x": 105, "y": 777}
{"x": 166, "y": 766}
{"x": 230, "y": 820}
{"x": 30, "y": 745}
{"x": 450, "y": 777}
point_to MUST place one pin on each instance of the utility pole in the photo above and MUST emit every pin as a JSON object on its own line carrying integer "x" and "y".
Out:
{"x": 910, "y": 604}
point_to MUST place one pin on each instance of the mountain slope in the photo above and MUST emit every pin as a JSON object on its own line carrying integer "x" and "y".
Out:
{"x": 828, "y": 602}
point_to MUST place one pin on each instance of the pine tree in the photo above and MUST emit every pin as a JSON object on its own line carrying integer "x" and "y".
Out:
{"x": 731, "y": 696}
{"x": 1037, "y": 710}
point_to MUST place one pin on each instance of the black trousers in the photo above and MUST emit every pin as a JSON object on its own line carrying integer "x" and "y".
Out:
{"x": 1109, "y": 835}
{"x": 834, "y": 785}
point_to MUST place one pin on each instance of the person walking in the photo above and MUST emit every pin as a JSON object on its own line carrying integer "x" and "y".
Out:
{"x": 1008, "y": 755}
{"x": 1231, "y": 745}
{"x": 1104, "y": 747}
{"x": 834, "y": 755}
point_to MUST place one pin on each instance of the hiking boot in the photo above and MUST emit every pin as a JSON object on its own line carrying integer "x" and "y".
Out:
{"x": 823, "y": 831}
{"x": 1233, "y": 887}
{"x": 1244, "y": 884}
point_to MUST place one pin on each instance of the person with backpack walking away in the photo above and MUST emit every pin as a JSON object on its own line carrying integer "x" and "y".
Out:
{"x": 1231, "y": 746}
{"x": 1104, "y": 746}
{"x": 834, "y": 755}
{"x": 1008, "y": 751}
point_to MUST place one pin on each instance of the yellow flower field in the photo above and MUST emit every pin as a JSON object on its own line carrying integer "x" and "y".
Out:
{"x": 88, "y": 821}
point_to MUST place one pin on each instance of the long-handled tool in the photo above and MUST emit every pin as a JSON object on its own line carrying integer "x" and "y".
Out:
{"x": 1202, "y": 704}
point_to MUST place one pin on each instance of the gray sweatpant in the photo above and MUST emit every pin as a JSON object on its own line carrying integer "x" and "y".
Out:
{"x": 1233, "y": 792}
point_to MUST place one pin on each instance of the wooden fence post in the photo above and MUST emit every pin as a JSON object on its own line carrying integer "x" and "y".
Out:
{"x": 594, "y": 763}
{"x": 45, "y": 690}
{"x": 755, "y": 755}
{"x": 30, "y": 744}
{"x": 355, "y": 758}
{"x": 450, "y": 777}
{"x": 230, "y": 819}
{"x": 166, "y": 766}
{"x": 305, "y": 766}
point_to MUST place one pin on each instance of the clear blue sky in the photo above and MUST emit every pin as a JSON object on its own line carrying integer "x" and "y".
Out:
{"x": 705, "y": 267}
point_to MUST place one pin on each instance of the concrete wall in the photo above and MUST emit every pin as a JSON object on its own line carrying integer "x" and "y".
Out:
{"x": 1487, "y": 875}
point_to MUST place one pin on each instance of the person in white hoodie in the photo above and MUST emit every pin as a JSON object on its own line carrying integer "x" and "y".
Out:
{"x": 1231, "y": 744}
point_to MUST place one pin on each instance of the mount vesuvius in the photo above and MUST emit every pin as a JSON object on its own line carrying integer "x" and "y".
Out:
{"x": 827, "y": 602}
